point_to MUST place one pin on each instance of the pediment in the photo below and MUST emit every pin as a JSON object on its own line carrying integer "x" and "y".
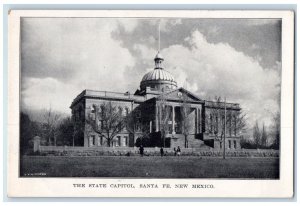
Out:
{"x": 180, "y": 94}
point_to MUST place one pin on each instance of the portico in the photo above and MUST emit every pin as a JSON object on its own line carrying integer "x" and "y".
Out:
{"x": 176, "y": 117}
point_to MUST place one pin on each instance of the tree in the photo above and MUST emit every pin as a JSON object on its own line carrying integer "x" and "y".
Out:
{"x": 256, "y": 135}
{"x": 235, "y": 120}
{"x": 240, "y": 121}
{"x": 107, "y": 121}
{"x": 247, "y": 143}
{"x": 28, "y": 129}
{"x": 65, "y": 132}
{"x": 264, "y": 137}
{"x": 276, "y": 131}
{"x": 51, "y": 122}
{"x": 164, "y": 111}
{"x": 185, "y": 111}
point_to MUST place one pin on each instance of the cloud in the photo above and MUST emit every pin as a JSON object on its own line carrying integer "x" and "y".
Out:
{"x": 61, "y": 57}
{"x": 43, "y": 93}
{"x": 69, "y": 56}
{"x": 220, "y": 70}
{"x": 146, "y": 54}
{"x": 165, "y": 24}
{"x": 213, "y": 30}
{"x": 128, "y": 24}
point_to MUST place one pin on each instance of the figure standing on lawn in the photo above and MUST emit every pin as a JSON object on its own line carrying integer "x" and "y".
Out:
{"x": 161, "y": 151}
{"x": 178, "y": 151}
{"x": 141, "y": 150}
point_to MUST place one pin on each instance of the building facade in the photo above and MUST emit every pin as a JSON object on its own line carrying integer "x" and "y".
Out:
{"x": 164, "y": 115}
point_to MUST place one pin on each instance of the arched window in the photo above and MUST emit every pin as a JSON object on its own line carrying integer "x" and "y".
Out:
{"x": 217, "y": 125}
{"x": 120, "y": 111}
{"x": 211, "y": 122}
{"x": 101, "y": 111}
{"x": 234, "y": 125}
{"x": 223, "y": 121}
{"x": 93, "y": 109}
{"x": 126, "y": 111}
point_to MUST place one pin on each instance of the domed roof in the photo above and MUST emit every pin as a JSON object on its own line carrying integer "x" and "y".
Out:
{"x": 158, "y": 78}
{"x": 158, "y": 74}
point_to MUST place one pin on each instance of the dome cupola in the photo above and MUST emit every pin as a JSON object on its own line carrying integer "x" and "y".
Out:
{"x": 158, "y": 61}
{"x": 158, "y": 79}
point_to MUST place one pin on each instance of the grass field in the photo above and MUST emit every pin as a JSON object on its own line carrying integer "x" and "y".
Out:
{"x": 150, "y": 167}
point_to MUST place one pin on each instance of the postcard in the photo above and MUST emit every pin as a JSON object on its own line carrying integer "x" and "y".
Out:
{"x": 151, "y": 103}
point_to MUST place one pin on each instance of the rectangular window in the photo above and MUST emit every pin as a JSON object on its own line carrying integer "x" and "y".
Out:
{"x": 234, "y": 123}
{"x": 92, "y": 116}
{"x": 234, "y": 144}
{"x": 169, "y": 129}
{"x": 101, "y": 140}
{"x": 99, "y": 125}
{"x": 217, "y": 125}
{"x": 230, "y": 124}
{"x": 211, "y": 123}
{"x": 220, "y": 145}
{"x": 229, "y": 144}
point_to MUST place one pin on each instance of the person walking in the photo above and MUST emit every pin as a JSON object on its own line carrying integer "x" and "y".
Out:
{"x": 161, "y": 151}
{"x": 175, "y": 151}
{"x": 178, "y": 151}
{"x": 141, "y": 150}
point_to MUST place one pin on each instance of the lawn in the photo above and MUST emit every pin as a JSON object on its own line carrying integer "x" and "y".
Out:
{"x": 150, "y": 167}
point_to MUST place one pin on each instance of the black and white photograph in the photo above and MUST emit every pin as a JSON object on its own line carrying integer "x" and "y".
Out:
{"x": 150, "y": 98}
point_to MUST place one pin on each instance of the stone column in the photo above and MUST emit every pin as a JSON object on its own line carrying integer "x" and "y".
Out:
{"x": 200, "y": 120}
{"x": 173, "y": 119}
{"x": 197, "y": 120}
{"x": 90, "y": 141}
{"x": 98, "y": 141}
{"x": 156, "y": 118}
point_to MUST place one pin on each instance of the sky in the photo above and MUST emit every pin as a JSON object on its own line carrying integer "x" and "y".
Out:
{"x": 239, "y": 59}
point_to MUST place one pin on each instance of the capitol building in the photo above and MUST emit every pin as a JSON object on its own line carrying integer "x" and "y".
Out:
{"x": 165, "y": 115}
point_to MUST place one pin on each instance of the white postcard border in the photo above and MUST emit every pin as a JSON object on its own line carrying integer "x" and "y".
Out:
{"x": 63, "y": 187}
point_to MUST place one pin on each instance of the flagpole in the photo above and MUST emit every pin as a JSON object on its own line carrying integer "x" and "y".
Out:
{"x": 224, "y": 139}
{"x": 159, "y": 36}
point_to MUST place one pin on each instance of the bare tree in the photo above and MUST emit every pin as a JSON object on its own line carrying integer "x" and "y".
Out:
{"x": 134, "y": 125}
{"x": 276, "y": 130}
{"x": 51, "y": 122}
{"x": 240, "y": 121}
{"x": 80, "y": 129}
{"x": 264, "y": 137}
{"x": 256, "y": 135}
{"x": 185, "y": 111}
{"x": 164, "y": 117}
{"x": 65, "y": 132}
{"x": 213, "y": 118}
{"x": 107, "y": 121}
{"x": 215, "y": 121}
